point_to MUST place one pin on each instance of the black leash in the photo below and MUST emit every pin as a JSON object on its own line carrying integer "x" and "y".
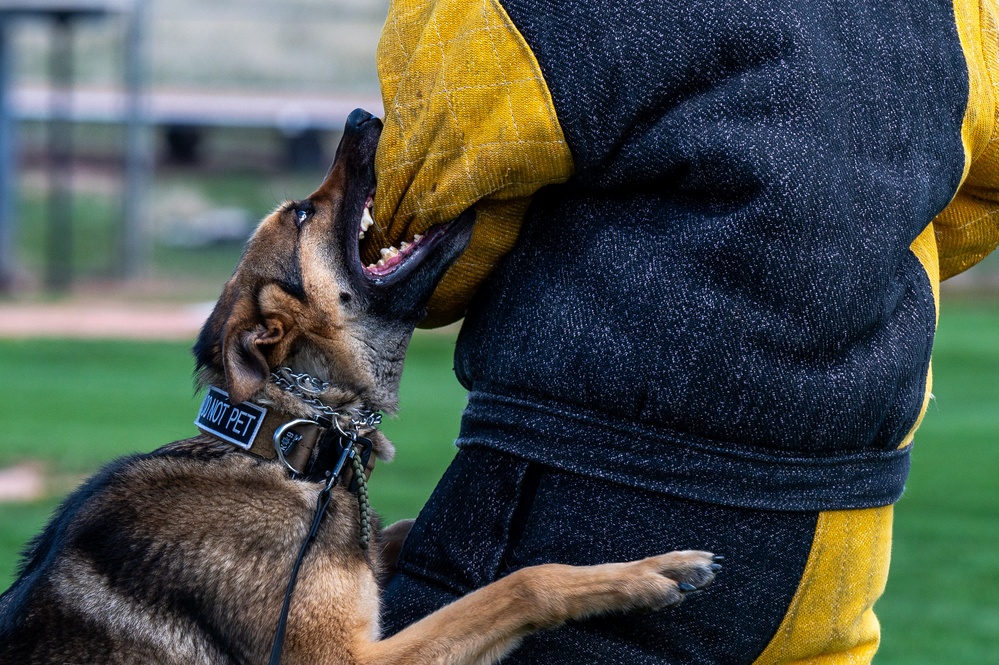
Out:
{"x": 322, "y": 503}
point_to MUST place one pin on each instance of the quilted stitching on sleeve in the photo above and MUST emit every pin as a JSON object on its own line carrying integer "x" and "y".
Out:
{"x": 469, "y": 121}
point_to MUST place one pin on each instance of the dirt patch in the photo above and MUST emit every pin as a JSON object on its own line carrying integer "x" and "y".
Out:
{"x": 103, "y": 320}
{"x": 24, "y": 482}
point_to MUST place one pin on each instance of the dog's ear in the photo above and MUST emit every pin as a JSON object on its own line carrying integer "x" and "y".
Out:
{"x": 246, "y": 369}
{"x": 246, "y": 334}
{"x": 232, "y": 342}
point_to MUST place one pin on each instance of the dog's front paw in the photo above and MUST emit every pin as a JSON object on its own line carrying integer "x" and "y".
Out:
{"x": 665, "y": 580}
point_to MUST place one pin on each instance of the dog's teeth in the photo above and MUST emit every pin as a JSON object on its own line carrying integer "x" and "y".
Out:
{"x": 404, "y": 246}
{"x": 386, "y": 252}
{"x": 371, "y": 266}
{"x": 417, "y": 238}
{"x": 366, "y": 219}
{"x": 360, "y": 236}
{"x": 380, "y": 263}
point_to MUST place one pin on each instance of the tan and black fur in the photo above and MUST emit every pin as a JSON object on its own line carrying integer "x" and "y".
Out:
{"x": 182, "y": 555}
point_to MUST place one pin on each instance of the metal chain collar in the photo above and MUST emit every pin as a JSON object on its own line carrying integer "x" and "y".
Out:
{"x": 308, "y": 389}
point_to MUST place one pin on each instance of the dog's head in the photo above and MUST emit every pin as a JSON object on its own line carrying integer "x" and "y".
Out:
{"x": 301, "y": 298}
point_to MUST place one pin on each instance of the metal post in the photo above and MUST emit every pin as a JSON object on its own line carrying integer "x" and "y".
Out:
{"x": 59, "y": 272}
{"x": 135, "y": 245}
{"x": 8, "y": 160}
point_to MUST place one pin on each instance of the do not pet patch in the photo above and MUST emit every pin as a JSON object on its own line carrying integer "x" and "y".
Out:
{"x": 235, "y": 423}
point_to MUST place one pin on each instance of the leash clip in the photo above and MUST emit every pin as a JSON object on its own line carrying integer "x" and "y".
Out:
{"x": 354, "y": 446}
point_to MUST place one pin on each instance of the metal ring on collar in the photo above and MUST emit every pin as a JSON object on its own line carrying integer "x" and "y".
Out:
{"x": 286, "y": 429}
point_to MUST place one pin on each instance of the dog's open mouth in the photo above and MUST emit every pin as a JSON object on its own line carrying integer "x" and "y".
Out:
{"x": 394, "y": 257}
{"x": 400, "y": 272}
{"x": 391, "y": 257}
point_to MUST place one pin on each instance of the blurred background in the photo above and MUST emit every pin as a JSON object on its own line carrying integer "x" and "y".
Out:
{"x": 140, "y": 142}
{"x": 147, "y": 137}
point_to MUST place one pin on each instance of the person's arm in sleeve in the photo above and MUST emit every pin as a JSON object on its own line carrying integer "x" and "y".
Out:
{"x": 469, "y": 121}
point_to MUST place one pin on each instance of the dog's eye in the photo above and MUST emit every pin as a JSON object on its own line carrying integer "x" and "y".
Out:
{"x": 302, "y": 212}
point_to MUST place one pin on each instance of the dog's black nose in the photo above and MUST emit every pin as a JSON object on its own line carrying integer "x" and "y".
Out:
{"x": 358, "y": 118}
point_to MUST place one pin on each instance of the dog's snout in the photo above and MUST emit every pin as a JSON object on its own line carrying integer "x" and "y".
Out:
{"x": 358, "y": 118}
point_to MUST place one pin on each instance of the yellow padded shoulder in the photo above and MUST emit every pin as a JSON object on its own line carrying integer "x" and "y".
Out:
{"x": 469, "y": 120}
{"x": 831, "y": 618}
{"x": 968, "y": 229}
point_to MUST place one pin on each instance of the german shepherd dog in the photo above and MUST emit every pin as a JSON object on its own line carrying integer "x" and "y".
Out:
{"x": 183, "y": 555}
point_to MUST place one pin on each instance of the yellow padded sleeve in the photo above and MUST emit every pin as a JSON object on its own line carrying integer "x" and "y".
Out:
{"x": 968, "y": 228}
{"x": 831, "y": 618}
{"x": 469, "y": 120}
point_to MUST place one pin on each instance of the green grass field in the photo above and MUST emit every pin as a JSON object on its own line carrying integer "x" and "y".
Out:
{"x": 74, "y": 405}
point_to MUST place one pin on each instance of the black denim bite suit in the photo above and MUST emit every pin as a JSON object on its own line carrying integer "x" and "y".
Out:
{"x": 715, "y": 326}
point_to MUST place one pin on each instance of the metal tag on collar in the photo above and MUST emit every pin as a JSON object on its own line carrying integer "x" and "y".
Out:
{"x": 286, "y": 438}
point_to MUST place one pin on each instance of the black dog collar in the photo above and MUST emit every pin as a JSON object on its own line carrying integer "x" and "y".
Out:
{"x": 269, "y": 434}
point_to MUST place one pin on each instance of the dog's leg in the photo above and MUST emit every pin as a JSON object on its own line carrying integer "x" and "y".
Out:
{"x": 486, "y": 624}
{"x": 389, "y": 542}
